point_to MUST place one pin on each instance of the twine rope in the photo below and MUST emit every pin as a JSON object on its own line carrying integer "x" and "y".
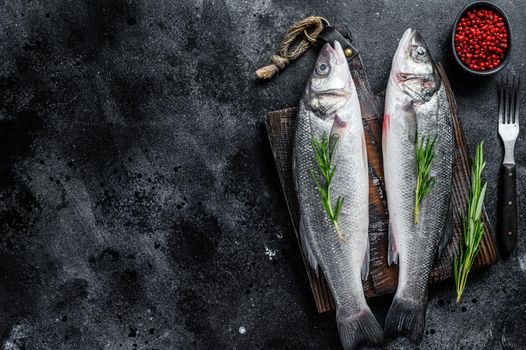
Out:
{"x": 285, "y": 53}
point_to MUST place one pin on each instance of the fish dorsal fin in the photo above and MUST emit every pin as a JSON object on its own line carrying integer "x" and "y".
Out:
{"x": 365, "y": 265}
{"x": 307, "y": 251}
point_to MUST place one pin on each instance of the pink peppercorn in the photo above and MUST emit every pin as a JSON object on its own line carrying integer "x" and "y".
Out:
{"x": 481, "y": 39}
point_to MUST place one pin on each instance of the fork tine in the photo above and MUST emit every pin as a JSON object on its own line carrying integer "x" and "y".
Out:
{"x": 512, "y": 91}
{"x": 516, "y": 116}
{"x": 501, "y": 101}
{"x": 506, "y": 100}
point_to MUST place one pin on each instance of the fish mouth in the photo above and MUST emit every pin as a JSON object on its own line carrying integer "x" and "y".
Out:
{"x": 334, "y": 51}
{"x": 411, "y": 36}
{"x": 407, "y": 39}
{"x": 342, "y": 92}
{"x": 408, "y": 35}
{"x": 333, "y": 100}
{"x": 402, "y": 77}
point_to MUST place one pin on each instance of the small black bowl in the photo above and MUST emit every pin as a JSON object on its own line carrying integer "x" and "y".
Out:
{"x": 488, "y": 6}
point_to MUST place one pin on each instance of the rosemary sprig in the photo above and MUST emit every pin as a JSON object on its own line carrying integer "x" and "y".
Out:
{"x": 324, "y": 151}
{"x": 425, "y": 154}
{"x": 471, "y": 224}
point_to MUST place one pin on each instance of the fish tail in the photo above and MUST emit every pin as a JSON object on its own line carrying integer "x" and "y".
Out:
{"x": 406, "y": 317}
{"x": 359, "y": 329}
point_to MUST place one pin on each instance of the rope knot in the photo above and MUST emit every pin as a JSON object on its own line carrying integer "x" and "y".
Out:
{"x": 285, "y": 54}
{"x": 279, "y": 61}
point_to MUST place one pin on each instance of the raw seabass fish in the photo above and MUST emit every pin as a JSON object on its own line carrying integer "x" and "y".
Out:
{"x": 416, "y": 107}
{"x": 330, "y": 107}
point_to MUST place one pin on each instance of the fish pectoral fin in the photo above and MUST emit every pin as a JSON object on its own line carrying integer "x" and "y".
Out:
{"x": 364, "y": 152}
{"x": 385, "y": 133}
{"x": 411, "y": 135}
{"x": 338, "y": 129}
{"x": 392, "y": 248}
{"x": 411, "y": 125}
{"x": 307, "y": 250}
{"x": 365, "y": 265}
{"x": 447, "y": 231}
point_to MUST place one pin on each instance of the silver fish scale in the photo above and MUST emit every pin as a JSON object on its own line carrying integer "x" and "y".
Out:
{"x": 340, "y": 262}
{"x": 417, "y": 251}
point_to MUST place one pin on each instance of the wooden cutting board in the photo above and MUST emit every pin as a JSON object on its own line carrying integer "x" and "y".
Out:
{"x": 382, "y": 278}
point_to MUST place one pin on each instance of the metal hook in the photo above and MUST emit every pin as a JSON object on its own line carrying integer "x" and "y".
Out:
{"x": 310, "y": 38}
{"x": 326, "y": 21}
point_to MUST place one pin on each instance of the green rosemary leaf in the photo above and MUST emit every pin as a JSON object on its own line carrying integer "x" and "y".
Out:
{"x": 425, "y": 155}
{"x": 338, "y": 208}
{"x": 478, "y": 211}
{"x": 327, "y": 208}
{"x": 471, "y": 224}
{"x": 324, "y": 150}
{"x": 455, "y": 267}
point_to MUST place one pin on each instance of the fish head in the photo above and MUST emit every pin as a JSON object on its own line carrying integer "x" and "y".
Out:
{"x": 329, "y": 86}
{"x": 413, "y": 70}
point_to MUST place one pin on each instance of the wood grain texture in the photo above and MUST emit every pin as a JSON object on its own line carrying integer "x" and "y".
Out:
{"x": 382, "y": 278}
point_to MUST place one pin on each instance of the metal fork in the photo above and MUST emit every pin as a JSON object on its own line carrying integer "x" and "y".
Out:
{"x": 508, "y": 131}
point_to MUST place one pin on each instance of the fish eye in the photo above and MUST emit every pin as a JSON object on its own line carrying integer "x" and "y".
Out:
{"x": 419, "y": 53}
{"x": 322, "y": 68}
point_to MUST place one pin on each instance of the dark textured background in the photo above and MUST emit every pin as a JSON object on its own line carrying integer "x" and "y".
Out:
{"x": 139, "y": 203}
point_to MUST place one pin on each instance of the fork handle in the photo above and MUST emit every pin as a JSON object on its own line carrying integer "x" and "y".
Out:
{"x": 508, "y": 208}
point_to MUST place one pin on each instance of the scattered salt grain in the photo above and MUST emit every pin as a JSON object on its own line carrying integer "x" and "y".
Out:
{"x": 271, "y": 253}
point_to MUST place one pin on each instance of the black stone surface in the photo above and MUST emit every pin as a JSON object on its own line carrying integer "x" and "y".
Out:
{"x": 139, "y": 203}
